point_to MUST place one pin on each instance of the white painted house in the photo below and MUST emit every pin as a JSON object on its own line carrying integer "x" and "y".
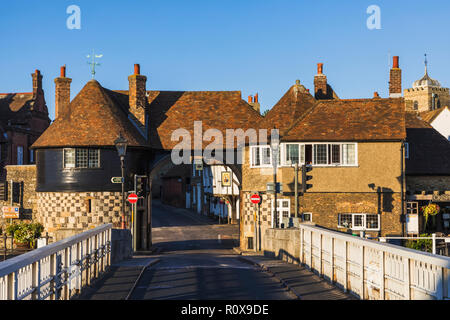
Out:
{"x": 439, "y": 119}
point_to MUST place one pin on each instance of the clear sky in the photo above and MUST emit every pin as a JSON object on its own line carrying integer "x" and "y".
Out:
{"x": 248, "y": 45}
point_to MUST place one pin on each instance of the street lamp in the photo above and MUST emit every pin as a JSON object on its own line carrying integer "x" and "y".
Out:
{"x": 275, "y": 147}
{"x": 121, "y": 145}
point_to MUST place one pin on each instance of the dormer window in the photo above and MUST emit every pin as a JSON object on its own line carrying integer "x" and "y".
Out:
{"x": 81, "y": 158}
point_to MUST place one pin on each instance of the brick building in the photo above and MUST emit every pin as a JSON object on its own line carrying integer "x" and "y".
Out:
{"x": 23, "y": 118}
{"x": 76, "y": 157}
{"x": 355, "y": 149}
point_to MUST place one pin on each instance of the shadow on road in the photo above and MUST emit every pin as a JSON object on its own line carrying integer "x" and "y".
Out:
{"x": 208, "y": 244}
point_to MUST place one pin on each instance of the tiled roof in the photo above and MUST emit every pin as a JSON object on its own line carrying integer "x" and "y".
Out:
{"x": 429, "y": 116}
{"x": 14, "y": 106}
{"x": 429, "y": 151}
{"x": 351, "y": 120}
{"x": 295, "y": 103}
{"x": 221, "y": 110}
{"x": 97, "y": 116}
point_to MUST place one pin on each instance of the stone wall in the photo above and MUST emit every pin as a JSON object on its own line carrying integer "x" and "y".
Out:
{"x": 282, "y": 244}
{"x": 25, "y": 177}
{"x": 417, "y": 184}
{"x": 325, "y": 209}
{"x": 67, "y": 213}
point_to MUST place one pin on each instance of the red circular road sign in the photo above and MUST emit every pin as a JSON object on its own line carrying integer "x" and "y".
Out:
{"x": 255, "y": 198}
{"x": 132, "y": 198}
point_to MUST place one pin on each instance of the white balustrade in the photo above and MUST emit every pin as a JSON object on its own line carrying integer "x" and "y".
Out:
{"x": 59, "y": 270}
{"x": 374, "y": 270}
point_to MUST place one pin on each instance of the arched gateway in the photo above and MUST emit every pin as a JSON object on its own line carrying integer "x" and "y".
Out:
{"x": 76, "y": 156}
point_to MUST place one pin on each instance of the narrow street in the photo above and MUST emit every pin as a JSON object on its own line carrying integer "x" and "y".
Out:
{"x": 197, "y": 262}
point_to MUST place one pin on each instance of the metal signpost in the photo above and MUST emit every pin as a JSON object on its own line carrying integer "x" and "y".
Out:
{"x": 256, "y": 200}
{"x": 132, "y": 199}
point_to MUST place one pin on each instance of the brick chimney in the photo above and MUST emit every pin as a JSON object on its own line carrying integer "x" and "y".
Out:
{"x": 138, "y": 95}
{"x": 37, "y": 83}
{"x": 253, "y": 101}
{"x": 62, "y": 94}
{"x": 395, "y": 80}
{"x": 320, "y": 83}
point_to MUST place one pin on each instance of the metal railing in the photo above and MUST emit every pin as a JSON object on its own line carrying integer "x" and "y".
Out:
{"x": 59, "y": 270}
{"x": 374, "y": 270}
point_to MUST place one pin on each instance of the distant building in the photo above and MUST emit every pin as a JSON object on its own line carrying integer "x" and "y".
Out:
{"x": 23, "y": 118}
{"x": 426, "y": 94}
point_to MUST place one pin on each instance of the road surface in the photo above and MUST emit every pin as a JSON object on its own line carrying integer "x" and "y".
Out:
{"x": 197, "y": 262}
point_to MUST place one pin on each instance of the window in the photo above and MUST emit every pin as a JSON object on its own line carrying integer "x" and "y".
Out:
{"x": 292, "y": 153}
{"x": 19, "y": 155}
{"x": 349, "y": 154}
{"x": 322, "y": 154}
{"x": 345, "y": 221}
{"x": 412, "y": 207}
{"x": 406, "y": 150}
{"x": 31, "y": 156}
{"x": 260, "y": 156}
{"x": 359, "y": 221}
{"x": 283, "y": 211}
{"x": 335, "y": 157}
{"x": 307, "y": 216}
{"x": 81, "y": 158}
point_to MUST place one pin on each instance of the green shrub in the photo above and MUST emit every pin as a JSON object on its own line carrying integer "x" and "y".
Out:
{"x": 422, "y": 245}
{"x": 25, "y": 232}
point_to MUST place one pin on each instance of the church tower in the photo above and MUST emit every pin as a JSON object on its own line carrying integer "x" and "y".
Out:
{"x": 426, "y": 94}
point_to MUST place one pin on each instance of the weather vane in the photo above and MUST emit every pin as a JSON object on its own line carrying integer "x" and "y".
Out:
{"x": 93, "y": 63}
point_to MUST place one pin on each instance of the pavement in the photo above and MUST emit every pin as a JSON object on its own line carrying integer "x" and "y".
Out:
{"x": 196, "y": 259}
{"x": 305, "y": 284}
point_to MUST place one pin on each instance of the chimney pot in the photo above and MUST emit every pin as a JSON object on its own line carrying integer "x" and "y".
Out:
{"x": 137, "y": 69}
{"x": 63, "y": 71}
{"x": 250, "y": 99}
{"x": 319, "y": 68}
{"x": 396, "y": 62}
{"x": 256, "y": 98}
{"x": 376, "y": 95}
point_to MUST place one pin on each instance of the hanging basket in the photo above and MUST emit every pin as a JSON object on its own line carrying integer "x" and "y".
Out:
{"x": 431, "y": 209}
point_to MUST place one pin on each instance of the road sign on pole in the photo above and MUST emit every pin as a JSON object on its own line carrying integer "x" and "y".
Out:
{"x": 255, "y": 199}
{"x": 116, "y": 179}
{"x": 132, "y": 198}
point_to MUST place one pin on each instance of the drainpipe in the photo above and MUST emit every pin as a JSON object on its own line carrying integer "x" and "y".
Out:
{"x": 403, "y": 188}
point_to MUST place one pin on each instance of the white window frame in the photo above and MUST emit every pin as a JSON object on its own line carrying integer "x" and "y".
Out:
{"x": 259, "y": 149}
{"x": 279, "y": 210}
{"x": 302, "y": 155}
{"x": 364, "y": 220}
{"x": 310, "y": 216}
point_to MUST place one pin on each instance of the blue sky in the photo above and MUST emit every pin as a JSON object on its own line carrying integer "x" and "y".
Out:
{"x": 248, "y": 45}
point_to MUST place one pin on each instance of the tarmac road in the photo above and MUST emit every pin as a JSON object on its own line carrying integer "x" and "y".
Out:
{"x": 197, "y": 262}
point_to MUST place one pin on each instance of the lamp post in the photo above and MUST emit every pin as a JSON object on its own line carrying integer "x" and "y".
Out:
{"x": 121, "y": 145}
{"x": 275, "y": 147}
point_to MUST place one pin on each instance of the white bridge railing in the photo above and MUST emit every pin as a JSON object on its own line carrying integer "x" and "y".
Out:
{"x": 374, "y": 270}
{"x": 59, "y": 270}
